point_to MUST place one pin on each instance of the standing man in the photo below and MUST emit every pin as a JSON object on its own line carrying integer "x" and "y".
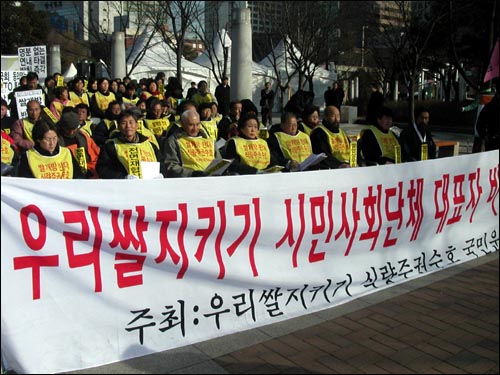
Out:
{"x": 222, "y": 94}
{"x": 266, "y": 104}
{"x": 415, "y": 135}
{"x": 488, "y": 122}
{"x": 375, "y": 103}
{"x": 334, "y": 96}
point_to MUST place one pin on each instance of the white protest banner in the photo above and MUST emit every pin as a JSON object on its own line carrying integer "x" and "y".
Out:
{"x": 22, "y": 99}
{"x": 33, "y": 59}
{"x": 10, "y": 80}
{"x": 98, "y": 271}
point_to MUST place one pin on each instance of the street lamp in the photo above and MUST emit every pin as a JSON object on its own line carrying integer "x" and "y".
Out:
{"x": 363, "y": 45}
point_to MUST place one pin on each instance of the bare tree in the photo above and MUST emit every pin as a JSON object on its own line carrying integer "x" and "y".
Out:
{"x": 205, "y": 30}
{"x": 173, "y": 20}
{"x": 408, "y": 40}
{"x": 130, "y": 17}
{"x": 305, "y": 29}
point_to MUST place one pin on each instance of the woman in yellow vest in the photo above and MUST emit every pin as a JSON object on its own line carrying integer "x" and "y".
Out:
{"x": 60, "y": 101}
{"x": 156, "y": 121}
{"x": 188, "y": 151}
{"x": 208, "y": 123}
{"x": 379, "y": 143}
{"x": 310, "y": 119}
{"x": 47, "y": 159}
{"x": 290, "y": 145}
{"x": 251, "y": 154}
{"x": 101, "y": 99}
{"x": 77, "y": 93}
{"x": 121, "y": 157}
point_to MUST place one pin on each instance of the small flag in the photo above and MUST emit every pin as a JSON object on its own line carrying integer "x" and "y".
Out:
{"x": 492, "y": 71}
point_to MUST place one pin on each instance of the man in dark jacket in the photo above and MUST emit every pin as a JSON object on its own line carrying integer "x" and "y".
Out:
{"x": 334, "y": 96}
{"x": 222, "y": 94}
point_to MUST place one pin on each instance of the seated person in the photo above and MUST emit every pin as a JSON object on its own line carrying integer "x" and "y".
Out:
{"x": 120, "y": 156}
{"x": 289, "y": 145}
{"x": 81, "y": 145}
{"x": 188, "y": 151}
{"x": 310, "y": 119}
{"x": 208, "y": 123}
{"x": 102, "y": 131}
{"x": 47, "y": 159}
{"x": 251, "y": 154}
{"x": 329, "y": 139}
{"x": 10, "y": 155}
{"x": 378, "y": 143}
{"x": 414, "y": 136}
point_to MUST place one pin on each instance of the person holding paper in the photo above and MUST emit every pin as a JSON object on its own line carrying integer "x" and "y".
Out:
{"x": 329, "y": 139}
{"x": 121, "y": 156}
{"x": 288, "y": 144}
{"x": 188, "y": 151}
{"x": 251, "y": 154}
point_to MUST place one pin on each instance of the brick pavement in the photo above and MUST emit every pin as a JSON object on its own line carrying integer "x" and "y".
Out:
{"x": 446, "y": 322}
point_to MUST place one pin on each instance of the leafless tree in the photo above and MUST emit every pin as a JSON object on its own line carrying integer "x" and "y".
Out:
{"x": 131, "y": 20}
{"x": 210, "y": 34}
{"x": 305, "y": 28}
{"x": 173, "y": 20}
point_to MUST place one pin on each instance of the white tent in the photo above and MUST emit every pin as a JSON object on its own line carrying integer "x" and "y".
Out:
{"x": 70, "y": 73}
{"x": 160, "y": 58}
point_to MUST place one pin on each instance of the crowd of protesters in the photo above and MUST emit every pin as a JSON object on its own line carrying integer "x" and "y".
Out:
{"x": 106, "y": 128}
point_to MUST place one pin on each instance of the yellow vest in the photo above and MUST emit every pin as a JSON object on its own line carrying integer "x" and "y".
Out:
{"x": 210, "y": 128}
{"x": 130, "y": 101}
{"x": 103, "y": 100}
{"x": 73, "y": 96}
{"x": 307, "y": 129}
{"x": 147, "y": 133}
{"x": 28, "y": 129}
{"x": 253, "y": 152}
{"x": 158, "y": 126}
{"x": 131, "y": 154}
{"x": 7, "y": 151}
{"x": 196, "y": 152}
{"x": 295, "y": 147}
{"x": 87, "y": 128}
{"x": 55, "y": 167}
{"x": 339, "y": 144}
{"x": 386, "y": 141}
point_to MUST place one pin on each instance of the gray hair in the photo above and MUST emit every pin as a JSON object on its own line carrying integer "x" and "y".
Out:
{"x": 186, "y": 114}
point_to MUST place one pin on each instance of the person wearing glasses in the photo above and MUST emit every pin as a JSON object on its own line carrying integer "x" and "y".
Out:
{"x": 47, "y": 159}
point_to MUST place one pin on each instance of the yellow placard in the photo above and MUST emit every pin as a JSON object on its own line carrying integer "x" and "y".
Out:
{"x": 134, "y": 163}
{"x": 424, "y": 151}
{"x": 353, "y": 150}
{"x": 51, "y": 115}
{"x": 397, "y": 154}
{"x": 60, "y": 81}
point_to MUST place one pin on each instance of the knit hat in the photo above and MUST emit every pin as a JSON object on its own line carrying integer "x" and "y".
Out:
{"x": 69, "y": 120}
